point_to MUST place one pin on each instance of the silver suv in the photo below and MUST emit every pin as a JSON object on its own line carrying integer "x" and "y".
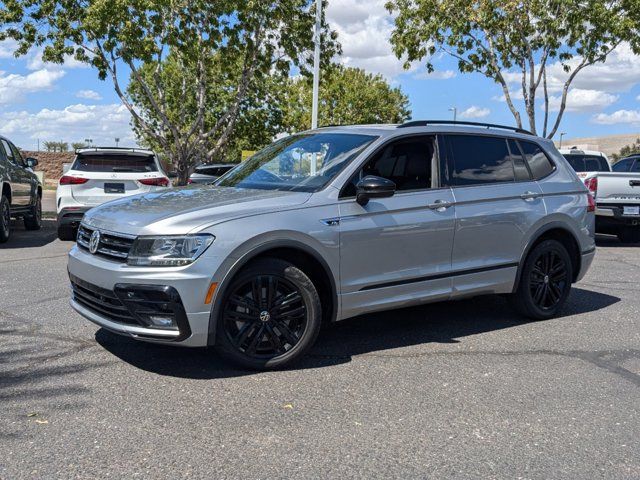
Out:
{"x": 333, "y": 223}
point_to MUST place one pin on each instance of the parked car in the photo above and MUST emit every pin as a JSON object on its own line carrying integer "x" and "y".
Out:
{"x": 21, "y": 191}
{"x": 386, "y": 217}
{"x": 616, "y": 191}
{"x": 99, "y": 175}
{"x": 209, "y": 173}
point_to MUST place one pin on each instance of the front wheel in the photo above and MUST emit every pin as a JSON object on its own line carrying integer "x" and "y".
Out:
{"x": 5, "y": 219}
{"x": 269, "y": 317}
{"x": 545, "y": 281}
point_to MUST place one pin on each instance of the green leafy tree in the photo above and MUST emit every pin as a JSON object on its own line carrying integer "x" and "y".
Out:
{"x": 347, "y": 96}
{"x": 78, "y": 145}
{"x": 516, "y": 39}
{"x": 627, "y": 150}
{"x": 247, "y": 38}
{"x": 56, "y": 146}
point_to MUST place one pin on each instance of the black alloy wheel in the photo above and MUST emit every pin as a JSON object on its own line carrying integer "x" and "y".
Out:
{"x": 5, "y": 219}
{"x": 34, "y": 221}
{"x": 545, "y": 281}
{"x": 269, "y": 316}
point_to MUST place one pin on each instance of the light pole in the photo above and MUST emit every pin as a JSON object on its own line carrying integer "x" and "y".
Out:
{"x": 455, "y": 113}
{"x": 316, "y": 65}
{"x": 88, "y": 141}
{"x": 117, "y": 139}
{"x": 562, "y": 134}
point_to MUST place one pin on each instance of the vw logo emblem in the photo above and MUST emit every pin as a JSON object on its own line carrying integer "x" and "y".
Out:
{"x": 94, "y": 241}
{"x": 264, "y": 316}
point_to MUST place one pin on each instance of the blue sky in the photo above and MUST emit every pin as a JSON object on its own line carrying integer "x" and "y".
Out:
{"x": 68, "y": 102}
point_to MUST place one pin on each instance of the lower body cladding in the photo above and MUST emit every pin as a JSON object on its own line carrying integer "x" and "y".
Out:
{"x": 154, "y": 304}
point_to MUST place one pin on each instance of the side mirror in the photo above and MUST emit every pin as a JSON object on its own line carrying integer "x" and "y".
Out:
{"x": 373, "y": 187}
{"x": 31, "y": 162}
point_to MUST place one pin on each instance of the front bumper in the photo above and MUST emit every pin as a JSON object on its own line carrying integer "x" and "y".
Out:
{"x": 190, "y": 284}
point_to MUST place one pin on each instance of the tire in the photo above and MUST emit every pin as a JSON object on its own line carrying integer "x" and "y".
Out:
{"x": 629, "y": 235}
{"x": 254, "y": 330}
{"x": 66, "y": 233}
{"x": 541, "y": 294}
{"x": 5, "y": 219}
{"x": 33, "y": 221}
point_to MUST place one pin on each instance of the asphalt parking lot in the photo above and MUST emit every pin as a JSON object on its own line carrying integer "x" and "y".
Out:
{"x": 462, "y": 390}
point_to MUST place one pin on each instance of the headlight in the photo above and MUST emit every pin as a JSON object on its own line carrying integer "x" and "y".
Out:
{"x": 168, "y": 251}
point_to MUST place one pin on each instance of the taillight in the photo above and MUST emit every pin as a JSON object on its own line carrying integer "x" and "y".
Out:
{"x": 69, "y": 180}
{"x": 592, "y": 185}
{"x": 155, "y": 182}
{"x": 591, "y": 207}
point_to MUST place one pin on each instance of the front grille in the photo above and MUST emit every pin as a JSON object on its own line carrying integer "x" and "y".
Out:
{"x": 101, "y": 301}
{"x": 114, "y": 246}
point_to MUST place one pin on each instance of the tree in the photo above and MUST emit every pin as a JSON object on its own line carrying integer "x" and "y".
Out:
{"x": 247, "y": 38}
{"x": 78, "y": 145}
{"x": 516, "y": 39}
{"x": 56, "y": 146}
{"x": 627, "y": 150}
{"x": 347, "y": 96}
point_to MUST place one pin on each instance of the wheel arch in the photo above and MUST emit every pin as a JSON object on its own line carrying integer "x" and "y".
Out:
{"x": 6, "y": 190}
{"x": 553, "y": 231}
{"x": 301, "y": 255}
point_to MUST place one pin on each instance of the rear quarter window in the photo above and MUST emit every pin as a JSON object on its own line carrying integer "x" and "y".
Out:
{"x": 539, "y": 164}
{"x": 115, "y": 163}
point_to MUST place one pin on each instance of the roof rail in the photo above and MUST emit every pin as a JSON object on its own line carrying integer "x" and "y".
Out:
{"x": 129, "y": 149}
{"x": 422, "y": 123}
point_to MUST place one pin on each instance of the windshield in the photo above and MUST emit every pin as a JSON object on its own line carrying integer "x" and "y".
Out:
{"x": 587, "y": 163}
{"x": 115, "y": 163}
{"x": 301, "y": 163}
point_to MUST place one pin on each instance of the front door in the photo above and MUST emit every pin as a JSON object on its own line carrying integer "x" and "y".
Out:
{"x": 396, "y": 251}
{"x": 19, "y": 179}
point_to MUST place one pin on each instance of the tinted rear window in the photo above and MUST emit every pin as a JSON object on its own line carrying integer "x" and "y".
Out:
{"x": 479, "y": 159}
{"x": 587, "y": 163}
{"x": 538, "y": 162}
{"x": 115, "y": 163}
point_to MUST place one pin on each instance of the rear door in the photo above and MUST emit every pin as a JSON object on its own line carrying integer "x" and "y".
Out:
{"x": 19, "y": 179}
{"x": 110, "y": 176}
{"x": 497, "y": 203}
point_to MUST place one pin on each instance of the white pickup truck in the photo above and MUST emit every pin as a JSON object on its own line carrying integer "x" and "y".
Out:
{"x": 616, "y": 191}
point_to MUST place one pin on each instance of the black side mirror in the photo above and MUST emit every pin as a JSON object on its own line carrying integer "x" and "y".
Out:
{"x": 373, "y": 187}
{"x": 31, "y": 162}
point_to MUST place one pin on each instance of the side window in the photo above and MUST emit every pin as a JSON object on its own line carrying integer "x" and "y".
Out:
{"x": 7, "y": 151}
{"x": 479, "y": 159}
{"x": 636, "y": 166}
{"x": 405, "y": 162}
{"x": 623, "y": 165}
{"x": 519, "y": 165}
{"x": 17, "y": 155}
{"x": 538, "y": 162}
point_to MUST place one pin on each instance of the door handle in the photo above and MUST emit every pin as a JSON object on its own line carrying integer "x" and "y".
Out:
{"x": 529, "y": 195}
{"x": 439, "y": 205}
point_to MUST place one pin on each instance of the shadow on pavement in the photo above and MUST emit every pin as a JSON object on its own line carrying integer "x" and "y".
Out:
{"x": 447, "y": 322}
{"x": 21, "y": 238}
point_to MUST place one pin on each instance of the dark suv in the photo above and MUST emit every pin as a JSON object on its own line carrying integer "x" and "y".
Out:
{"x": 21, "y": 190}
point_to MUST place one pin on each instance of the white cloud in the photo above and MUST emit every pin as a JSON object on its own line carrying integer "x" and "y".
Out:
{"x": 436, "y": 75}
{"x": 475, "y": 112}
{"x": 74, "y": 123}
{"x": 364, "y": 28}
{"x": 579, "y": 100}
{"x": 620, "y": 116}
{"x": 14, "y": 87}
{"x": 7, "y": 47}
{"x": 88, "y": 94}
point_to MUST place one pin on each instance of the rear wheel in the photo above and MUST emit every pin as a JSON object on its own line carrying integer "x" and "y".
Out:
{"x": 33, "y": 221}
{"x": 270, "y": 316}
{"x": 629, "y": 235}
{"x": 545, "y": 281}
{"x": 66, "y": 232}
{"x": 5, "y": 219}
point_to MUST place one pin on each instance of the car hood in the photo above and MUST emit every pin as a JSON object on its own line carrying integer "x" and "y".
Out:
{"x": 181, "y": 210}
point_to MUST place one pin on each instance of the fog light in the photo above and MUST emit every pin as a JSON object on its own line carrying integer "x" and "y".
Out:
{"x": 161, "y": 321}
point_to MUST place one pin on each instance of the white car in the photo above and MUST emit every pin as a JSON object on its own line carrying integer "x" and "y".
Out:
{"x": 616, "y": 191}
{"x": 99, "y": 175}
